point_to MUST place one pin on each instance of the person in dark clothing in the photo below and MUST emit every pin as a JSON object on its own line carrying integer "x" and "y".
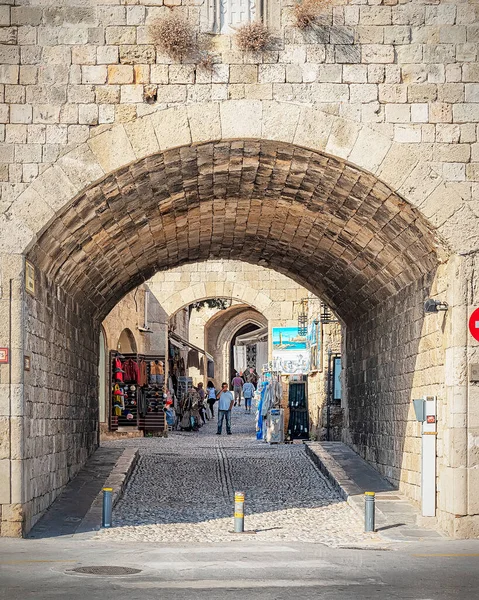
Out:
{"x": 201, "y": 403}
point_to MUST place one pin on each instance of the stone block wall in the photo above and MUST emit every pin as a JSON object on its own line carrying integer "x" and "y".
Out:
{"x": 129, "y": 313}
{"x": 391, "y": 355}
{"x": 390, "y": 87}
{"x": 271, "y": 293}
{"x": 410, "y": 70}
{"x": 60, "y": 424}
{"x": 318, "y": 389}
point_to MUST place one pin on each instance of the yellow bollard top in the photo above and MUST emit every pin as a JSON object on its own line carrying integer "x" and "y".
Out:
{"x": 369, "y": 493}
{"x": 107, "y": 489}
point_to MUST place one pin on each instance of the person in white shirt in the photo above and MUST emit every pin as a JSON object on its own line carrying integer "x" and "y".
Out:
{"x": 225, "y": 404}
{"x": 248, "y": 393}
{"x": 211, "y": 397}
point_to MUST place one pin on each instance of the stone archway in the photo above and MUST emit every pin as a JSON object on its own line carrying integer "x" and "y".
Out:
{"x": 220, "y": 329}
{"x": 290, "y": 208}
{"x": 338, "y": 230}
{"x": 329, "y": 226}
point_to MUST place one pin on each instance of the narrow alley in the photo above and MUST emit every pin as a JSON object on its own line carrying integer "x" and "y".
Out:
{"x": 183, "y": 487}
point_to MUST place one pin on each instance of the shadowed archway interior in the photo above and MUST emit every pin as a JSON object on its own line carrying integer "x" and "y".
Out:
{"x": 326, "y": 224}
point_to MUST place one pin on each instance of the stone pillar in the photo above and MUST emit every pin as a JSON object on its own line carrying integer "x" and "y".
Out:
{"x": 11, "y": 395}
{"x": 458, "y": 482}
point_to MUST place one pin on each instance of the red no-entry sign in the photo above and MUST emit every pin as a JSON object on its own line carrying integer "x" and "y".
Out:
{"x": 474, "y": 324}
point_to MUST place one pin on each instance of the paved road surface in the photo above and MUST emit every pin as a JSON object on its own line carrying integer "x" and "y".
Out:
{"x": 41, "y": 569}
{"x": 203, "y": 470}
{"x": 183, "y": 488}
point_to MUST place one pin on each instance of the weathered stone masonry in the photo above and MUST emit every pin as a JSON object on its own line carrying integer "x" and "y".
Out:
{"x": 383, "y": 96}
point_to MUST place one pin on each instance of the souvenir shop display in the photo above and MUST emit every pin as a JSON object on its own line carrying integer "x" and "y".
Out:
{"x": 177, "y": 370}
{"x": 270, "y": 396}
{"x": 189, "y": 417}
{"x": 298, "y": 422}
{"x": 137, "y": 386}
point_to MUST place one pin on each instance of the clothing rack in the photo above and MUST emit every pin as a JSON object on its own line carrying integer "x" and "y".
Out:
{"x": 141, "y": 397}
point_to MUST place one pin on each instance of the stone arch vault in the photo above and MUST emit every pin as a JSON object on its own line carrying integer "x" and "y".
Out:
{"x": 318, "y": 199}
{"x": 298, "y": 211}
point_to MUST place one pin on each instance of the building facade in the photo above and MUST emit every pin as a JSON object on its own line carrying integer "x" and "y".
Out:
{"x": 344, "y": 156}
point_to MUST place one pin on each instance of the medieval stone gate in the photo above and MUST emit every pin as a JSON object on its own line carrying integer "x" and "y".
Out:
{"x": 346, "y": 163}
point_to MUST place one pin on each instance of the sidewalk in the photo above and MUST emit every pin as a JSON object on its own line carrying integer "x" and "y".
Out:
{"x": 396, "y": 517}
{"x": 78, "y": 508}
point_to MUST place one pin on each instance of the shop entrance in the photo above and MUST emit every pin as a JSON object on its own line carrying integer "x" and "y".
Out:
{"x": 298, "y": 422}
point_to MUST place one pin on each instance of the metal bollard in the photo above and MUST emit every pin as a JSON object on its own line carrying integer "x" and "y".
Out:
{"x": 239, "y": 512}
{"x": 369, "y": 508}
{"x": 107, "y": 507}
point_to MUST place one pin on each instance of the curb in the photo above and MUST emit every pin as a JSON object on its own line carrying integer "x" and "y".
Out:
{"x": 345, "y": 486}
{"x": 118, "y": 479}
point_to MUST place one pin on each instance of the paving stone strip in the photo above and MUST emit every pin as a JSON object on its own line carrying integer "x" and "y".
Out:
{"x": 182, "y": 490}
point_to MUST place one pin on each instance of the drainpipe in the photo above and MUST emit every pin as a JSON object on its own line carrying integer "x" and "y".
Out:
{"x": 147, "y": 297}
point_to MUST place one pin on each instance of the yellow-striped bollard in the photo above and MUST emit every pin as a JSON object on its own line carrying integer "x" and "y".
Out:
{"x": 239, "y": 512}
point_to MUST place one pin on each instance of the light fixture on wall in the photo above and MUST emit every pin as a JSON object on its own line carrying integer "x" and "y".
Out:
{"x": 434, "y": 306}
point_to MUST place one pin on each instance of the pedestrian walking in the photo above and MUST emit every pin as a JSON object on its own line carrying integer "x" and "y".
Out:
{"x": 248, "y": 393}
{"x": 211, "y": 397}
{"x": 237, "y": 384}
{"x": 201, "y": 402}
{"x": 225, "y": 404}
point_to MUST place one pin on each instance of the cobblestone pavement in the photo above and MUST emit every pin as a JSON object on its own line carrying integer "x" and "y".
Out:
{"x": 183, "y": 488}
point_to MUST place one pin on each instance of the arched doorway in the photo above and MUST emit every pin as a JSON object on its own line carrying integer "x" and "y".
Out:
{"x": 247, "y": 328}
{"x": 333, "y": 228}
{"x": 219, "y": 331}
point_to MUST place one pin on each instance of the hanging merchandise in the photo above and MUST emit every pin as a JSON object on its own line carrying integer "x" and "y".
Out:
{"x": 271, "y": 391}
{"x": 132, "y": 371}
{"x": 137, "y": 403}
{"x": 239, "y": 358}
{"x": 298, "y": 424}
{"x": 189, "y": 411}
{"x": 118, "y": 372}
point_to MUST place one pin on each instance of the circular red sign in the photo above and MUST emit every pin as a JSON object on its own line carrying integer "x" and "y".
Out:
{"x": 474, "y": 324}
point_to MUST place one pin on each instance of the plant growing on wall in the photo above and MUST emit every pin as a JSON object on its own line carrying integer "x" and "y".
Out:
{"x": 178, "y": 39}
{"x": 252, "y": 37}
{"x": 306, "y": 12}
{"x": 219, "y": 303}
{"x": 175, "y": 36}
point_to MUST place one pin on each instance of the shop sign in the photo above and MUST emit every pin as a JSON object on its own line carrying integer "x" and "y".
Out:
{"x": 290, "y": 350}
{"x": 29, "y": 278}
{"x": 3, "y": 356}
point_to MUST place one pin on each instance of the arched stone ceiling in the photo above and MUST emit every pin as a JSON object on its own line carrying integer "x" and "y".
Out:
{"x": 331, "y": 227}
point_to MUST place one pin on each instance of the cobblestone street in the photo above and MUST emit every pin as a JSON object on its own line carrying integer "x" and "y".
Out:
{"x": 183, "y": 488}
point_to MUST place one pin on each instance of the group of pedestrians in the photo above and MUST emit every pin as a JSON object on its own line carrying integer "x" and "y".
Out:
{"x": 227, "y": 399}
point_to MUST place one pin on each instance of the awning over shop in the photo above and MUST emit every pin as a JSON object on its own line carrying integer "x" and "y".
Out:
{"x": 180, "y": 342}
{"x": 258, "y": 335}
